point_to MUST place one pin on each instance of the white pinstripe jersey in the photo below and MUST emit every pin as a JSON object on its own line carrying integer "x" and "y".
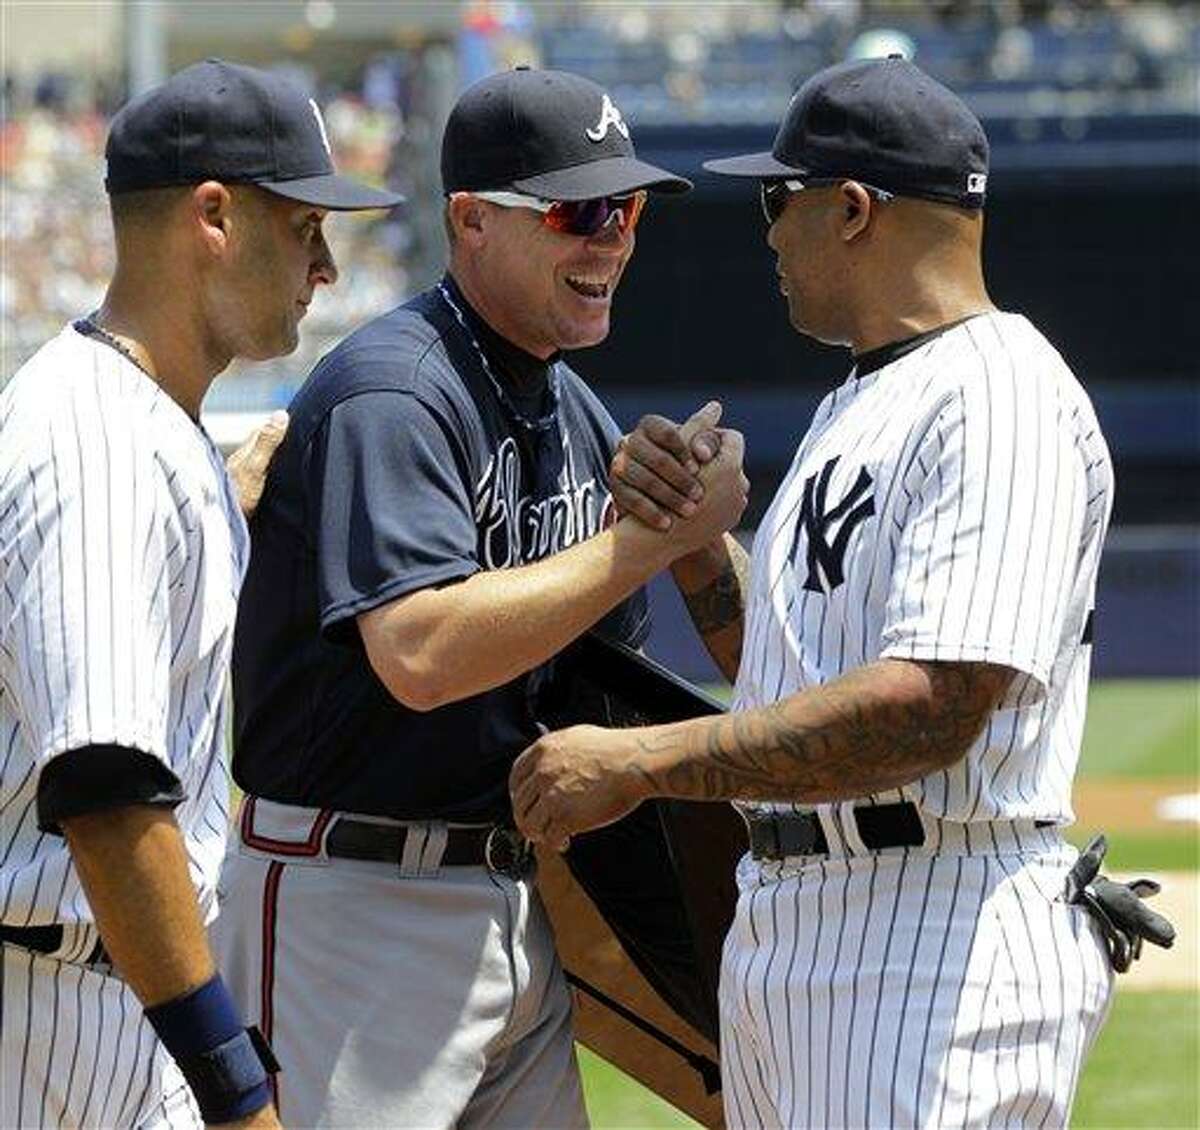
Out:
{"x": 950, "y": 505}
{"x": 122, "y": 551}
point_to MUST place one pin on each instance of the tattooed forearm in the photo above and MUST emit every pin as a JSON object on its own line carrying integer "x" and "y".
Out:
{"x": 876, "y": 728}
{"x": 718, "y": 604}
{"x": 714, "y": 590}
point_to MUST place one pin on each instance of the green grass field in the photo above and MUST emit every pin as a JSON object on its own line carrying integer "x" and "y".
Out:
{"x": 1143, "y": 1070}
{"x": 1142, "y": 728}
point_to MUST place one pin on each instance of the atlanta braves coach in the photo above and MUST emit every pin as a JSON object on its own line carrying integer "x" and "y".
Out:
{"x": 435, "y": 528}
{"x": 122, "y": 549}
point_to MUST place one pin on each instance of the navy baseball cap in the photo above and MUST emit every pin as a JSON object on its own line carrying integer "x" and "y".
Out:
{"x": 880, "y": 121}
{"x": 544, "y": 133}
{"x": 223, "y": 121}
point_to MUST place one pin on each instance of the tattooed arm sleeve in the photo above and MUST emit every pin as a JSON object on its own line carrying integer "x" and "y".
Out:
{"x": 876, "y": 728}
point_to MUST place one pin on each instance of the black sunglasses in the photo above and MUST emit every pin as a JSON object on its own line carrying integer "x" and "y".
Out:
{"x": 774, "y": 194}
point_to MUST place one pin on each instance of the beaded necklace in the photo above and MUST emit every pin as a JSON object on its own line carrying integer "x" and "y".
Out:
{"x": 90, "y": 328}
{"x": 542, "y": 423}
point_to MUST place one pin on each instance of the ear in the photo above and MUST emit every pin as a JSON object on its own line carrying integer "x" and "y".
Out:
{"x": 467, "y": 217}
{"x": 856, "y": 210}
{"x": 212, "y": 209}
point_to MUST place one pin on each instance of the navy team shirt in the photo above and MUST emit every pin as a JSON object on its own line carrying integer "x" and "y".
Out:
{"x": 404, "y": 468}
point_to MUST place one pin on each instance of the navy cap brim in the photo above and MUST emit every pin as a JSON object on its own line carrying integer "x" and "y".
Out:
{"x": 332, "y": 191}
{"x": 763, "y": 165}
{"x": 611, "y": 176}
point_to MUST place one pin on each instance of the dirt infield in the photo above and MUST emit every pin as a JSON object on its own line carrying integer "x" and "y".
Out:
{"x": 1130, "y": 805}
{"x": 1178, "y": 967}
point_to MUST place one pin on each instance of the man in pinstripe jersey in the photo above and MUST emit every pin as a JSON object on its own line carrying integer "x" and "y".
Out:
{"x": 911, "y": 644}
{"x": 122, "y": 549}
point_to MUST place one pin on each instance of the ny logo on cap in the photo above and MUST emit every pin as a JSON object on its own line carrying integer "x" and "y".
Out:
{"x": 609, "y": 116}
{"x": 321, "y": 126}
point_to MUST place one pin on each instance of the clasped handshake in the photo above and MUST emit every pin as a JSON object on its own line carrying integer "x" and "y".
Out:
{"x": 685, "y": 480}
{"x": 684, "y": 486}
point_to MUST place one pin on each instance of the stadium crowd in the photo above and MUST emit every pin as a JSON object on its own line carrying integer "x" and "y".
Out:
{"x": 57, "y": 248}
{"x": 662, "y": 62}
{"x": 735, "y": 63}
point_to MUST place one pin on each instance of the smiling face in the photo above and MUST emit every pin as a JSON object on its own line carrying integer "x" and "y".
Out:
{"x": 542, "y": 289}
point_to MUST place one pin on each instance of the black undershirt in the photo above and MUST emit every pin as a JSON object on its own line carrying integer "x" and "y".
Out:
{"x": 526, "y": 378}
{"x": 874, "y": 359}
{"x": 99, "y": 778}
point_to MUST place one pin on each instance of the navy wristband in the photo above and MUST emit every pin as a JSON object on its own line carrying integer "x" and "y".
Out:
{"x": 223, "y": 1065}
{"x": 229, "y": 1081}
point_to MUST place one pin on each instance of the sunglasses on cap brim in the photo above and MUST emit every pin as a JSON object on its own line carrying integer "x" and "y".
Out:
{"x": 577, "y": 217}
{"x": 775, "y": 194}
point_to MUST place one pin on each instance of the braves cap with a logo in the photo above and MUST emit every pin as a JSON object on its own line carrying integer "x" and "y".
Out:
{"x": 544, "y": 133}
{"x": 223, "y": 121}
{"x": 883, "y": 122}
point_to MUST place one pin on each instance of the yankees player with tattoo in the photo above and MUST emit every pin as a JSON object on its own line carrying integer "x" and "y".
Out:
{"x": 911, "y": 645}
{"x": 435, "y": 528}
{"x": 122, "y": 548}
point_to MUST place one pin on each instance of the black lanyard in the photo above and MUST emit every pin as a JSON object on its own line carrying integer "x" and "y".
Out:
{"x": 542, "y": 438}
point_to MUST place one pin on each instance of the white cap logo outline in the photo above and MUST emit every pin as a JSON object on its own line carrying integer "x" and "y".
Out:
{"x": 609, "y": 116}
{"x": 321, "y": 126}
{"x": 976, "y": 182}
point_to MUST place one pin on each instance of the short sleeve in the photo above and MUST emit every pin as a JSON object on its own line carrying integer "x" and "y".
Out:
{"x": 389, "y": 501}
{"x": 987, "y": 551}
{"x": 92, "y": 546}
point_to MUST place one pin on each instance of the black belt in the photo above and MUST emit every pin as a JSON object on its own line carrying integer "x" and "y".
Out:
{"x": 777, "y": 835}
{"x": 499, "y": 848}
{"x": 47, "y": 939}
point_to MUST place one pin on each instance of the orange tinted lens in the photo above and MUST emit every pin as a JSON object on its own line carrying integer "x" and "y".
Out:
{"x": 587, "y": 217}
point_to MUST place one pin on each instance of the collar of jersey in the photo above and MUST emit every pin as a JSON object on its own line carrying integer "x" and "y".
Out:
{"x": 866, "y": 363}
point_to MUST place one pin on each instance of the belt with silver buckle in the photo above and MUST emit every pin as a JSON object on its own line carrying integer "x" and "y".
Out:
{"x": 498, "y": 847}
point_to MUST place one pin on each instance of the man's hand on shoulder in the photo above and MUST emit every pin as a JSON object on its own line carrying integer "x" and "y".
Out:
{"x": 248, "y": 465}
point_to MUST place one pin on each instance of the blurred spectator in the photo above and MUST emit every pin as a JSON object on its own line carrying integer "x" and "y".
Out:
{"x": 494, "y": 35}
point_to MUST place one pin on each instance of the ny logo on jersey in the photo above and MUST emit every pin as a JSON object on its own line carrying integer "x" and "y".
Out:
{"x": 825, "y": 558}
{"x": 609, "y": 116}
